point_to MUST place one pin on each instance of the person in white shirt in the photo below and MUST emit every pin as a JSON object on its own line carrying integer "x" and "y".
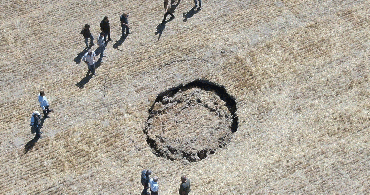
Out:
{"x": 89, "y": 59}
{"x": 44, "y": 104}
{"x": 154, "y": 187}
{"x": 102, "y": 45}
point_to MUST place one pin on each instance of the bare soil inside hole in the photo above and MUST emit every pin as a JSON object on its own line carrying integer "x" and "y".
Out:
{"x": 191, "y": 121}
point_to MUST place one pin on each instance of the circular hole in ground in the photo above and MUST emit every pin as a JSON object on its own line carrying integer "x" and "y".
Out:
{"x": 191, "y": 121}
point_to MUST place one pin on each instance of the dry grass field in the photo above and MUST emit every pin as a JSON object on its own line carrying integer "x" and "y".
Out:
{"x": 298, "y": 70}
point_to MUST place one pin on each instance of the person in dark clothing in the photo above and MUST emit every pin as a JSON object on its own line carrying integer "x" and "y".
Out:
{"x": 124, "y": 24}
{"x": 145, "y": 181}
{"x": 105, "y": 27}
{"x": 35, "y": 123}
{"x": 87, "y": 35}
{"x": 170, "y": 9}
{"x": 184, "y": 186}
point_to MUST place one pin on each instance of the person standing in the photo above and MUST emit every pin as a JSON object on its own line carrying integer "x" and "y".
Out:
{"x": 154, "y": 187}
{"x": 145, "y": 178}
{"x": 105, "y": 27}
{"x": 35, "y": 123}
{"x": 101, "y": 47}
{"x": 44, "y": 104}
{"x": 124, "y": 24}
{"x": 184, "y": 186}
{"x": 89, "y": 59}
{"x": 87, "y": 35}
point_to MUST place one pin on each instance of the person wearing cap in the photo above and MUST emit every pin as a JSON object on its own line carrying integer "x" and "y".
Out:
{"x": 145, "y": 178}
{"x": 87, "y": 35}
{"x": 89, "y": 59}
{"x": 184, "y": 186}
{"x": 35, "y": 123}
{"x": 105, "y": 27}
{"x": 154, "y": 187}
{"x": 44, "y": 104}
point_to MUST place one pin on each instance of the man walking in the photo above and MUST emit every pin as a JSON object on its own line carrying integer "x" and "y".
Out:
{"x": 44, "y": 104}
{"x": 35, "y": 124}
{"x": 87, "y": 35}
{"x": 154, "y": 187}
{"x": 184, "y": 186}
{"x": 105, "y": 27}
{"x": 124, "y": 24}
{"x": 89, "y": 59}
{"x": 145, "y": 178}
{"x": 101, "y": 47}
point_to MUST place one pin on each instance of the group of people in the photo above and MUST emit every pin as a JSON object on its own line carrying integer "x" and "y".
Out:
{"x": 89, "y": 57}
{"x": 152, "y": 184}
{"x": 36, "y": 117}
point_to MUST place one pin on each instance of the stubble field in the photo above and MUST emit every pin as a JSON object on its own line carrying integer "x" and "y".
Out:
{"x": 298, "y": 70}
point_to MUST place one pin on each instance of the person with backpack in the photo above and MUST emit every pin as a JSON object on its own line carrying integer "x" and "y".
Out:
{"x": 35, "y": 123}
{"x": 44, "y": 104}
{"x": 145, "y": 178}
{"x": 87, "y": 35}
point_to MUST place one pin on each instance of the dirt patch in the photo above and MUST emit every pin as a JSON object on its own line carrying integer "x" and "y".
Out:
{"x": 191, "y": 121}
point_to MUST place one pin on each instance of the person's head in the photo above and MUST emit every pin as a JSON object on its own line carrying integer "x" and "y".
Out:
{"x": 125, "y": 15}
{"x": 105, "y": 18}
{"x": 148, "y": 172}
{"x": 155, "y": 178}
{"x": 183, "y": 178}
{"x": 87, "y": 26}
{"x": 89, "y": 51}
{"x": 42, "y": 93}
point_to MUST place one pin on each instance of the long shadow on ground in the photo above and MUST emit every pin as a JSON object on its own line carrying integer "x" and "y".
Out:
{"x": 88, "y": 76}
{"x": 190, "y": 13}
{"x": 80, "y": 55}
{"x": 33, "y": 142}
{"x": 119, "y": 42}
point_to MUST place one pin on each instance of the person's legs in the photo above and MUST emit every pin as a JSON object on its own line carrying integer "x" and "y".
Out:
{"x": 45, "y": 113}
{"x": 91, "y": 40}
{"x": 38, "y": 132}
{"x": 200, "y": 3}
{"x": 109, "y": 39}
{"x": 92, "y": 68}
{"x": 101, "y": 50}
{"x": 86, "y": 42}
{"x": 105, "y": 36}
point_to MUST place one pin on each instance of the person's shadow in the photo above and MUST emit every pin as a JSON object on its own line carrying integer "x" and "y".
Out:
{"x": 88, "y": 76}
{"x": 190, "y": 13}
{"x": 160, "y": 29}
{"x": 80, "y": 55}
{"x": 32, "y": 142}
{"x": 162, "y": 25}
{"x": 119, "y": 42}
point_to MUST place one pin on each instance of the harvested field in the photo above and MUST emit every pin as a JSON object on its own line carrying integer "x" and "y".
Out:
{"x": 298, "y": 71}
